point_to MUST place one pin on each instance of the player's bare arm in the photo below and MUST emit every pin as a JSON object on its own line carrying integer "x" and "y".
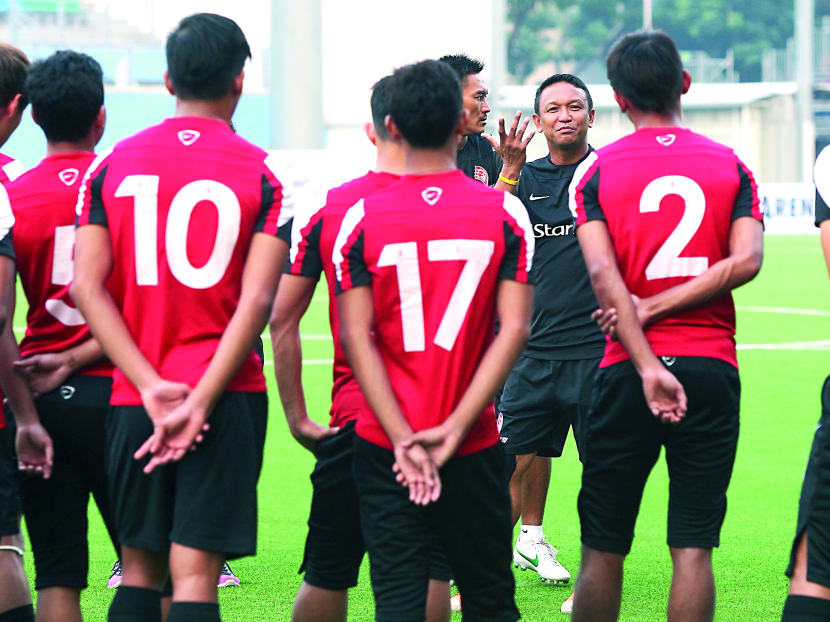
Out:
{"x": 356, "y": 320}
{"x": 514, "y": 305}
{"x": 93, "y": 263}
{"x": 664, "y": 394}
{"x": 45, "y": 372}
{"x": 177, "y": 432}
{"x": 512, "y": 147}
{"x": 293, "y": 297}
{"x": 34, "y": 446}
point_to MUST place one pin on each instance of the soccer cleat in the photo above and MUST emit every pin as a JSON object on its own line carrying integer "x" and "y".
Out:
{"x": 455, "y": 603}
{"x": 568, "y": 605}
{"x": 227, "y": 578}
{"x": 115, "y": 577}
{"x": 540, "y": 556}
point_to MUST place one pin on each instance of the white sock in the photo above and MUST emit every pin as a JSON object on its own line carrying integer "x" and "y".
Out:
{"x": 531, "y": 533}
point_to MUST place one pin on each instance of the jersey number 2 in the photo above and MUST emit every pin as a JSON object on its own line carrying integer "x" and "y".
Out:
{"x": 145, "y": 191}
{"x": 666, "y": 262}
{"x": 476, "y": 256}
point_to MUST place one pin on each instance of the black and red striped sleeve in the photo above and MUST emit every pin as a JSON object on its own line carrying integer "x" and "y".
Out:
{"x": 305, "y": 258}
{"x": 746, "y": 201}
{"x": 276, "y": 208}
{"x": 821, "y": 177}
{"x": 350, "y": 267}
{"x": 519, "y": 243}
{"x": 90, "y": 210}
{"x": 583, "y": 192}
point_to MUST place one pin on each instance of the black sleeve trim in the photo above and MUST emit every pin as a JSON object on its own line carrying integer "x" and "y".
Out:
{"x": 745, "y": 197}
{"x": 97, "y": 212}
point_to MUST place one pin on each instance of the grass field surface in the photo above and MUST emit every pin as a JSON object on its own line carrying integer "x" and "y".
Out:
{"x": 784, "y": 341}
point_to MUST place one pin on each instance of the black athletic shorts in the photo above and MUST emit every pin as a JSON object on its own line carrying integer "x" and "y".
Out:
{"x": 471, "y": 521}
{"x": 10, "y": 507}
{"x": 334, "y": 547}
{"x": 208, "y": 499}
{"x": 75, "y": 415}
{"x": 541, "y": 400}
{"x": 622, "y": 442}
{"x": 814, "y": 506}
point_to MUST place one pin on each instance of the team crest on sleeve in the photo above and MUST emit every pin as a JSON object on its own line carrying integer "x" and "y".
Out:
{"x": 69, "y": 176}
{"x": 188, "y": 137}
{"x": 432, "y": 194}
{"x": 666, "y": 139}
{"x": 481, "y": 174}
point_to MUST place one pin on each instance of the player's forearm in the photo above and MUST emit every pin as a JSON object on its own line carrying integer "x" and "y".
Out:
{"x": 111, "y": 333}
{"x": 490, "y": 375}
{"x": 824, "y": 229}
{"x": 83, "y": 354}
{"x": 14, "y": 386}
{"x": 288, "y": 365}
{"x": 371, "y": 375}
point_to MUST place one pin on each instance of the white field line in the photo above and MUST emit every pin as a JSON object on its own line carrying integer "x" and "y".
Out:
{"x": 783, "y": 310}
{"x": 792, "y": 345}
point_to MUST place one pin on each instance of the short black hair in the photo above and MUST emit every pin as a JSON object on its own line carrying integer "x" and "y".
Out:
{"x": 463, "y": 65}
{"x": 645, "y": 67}
{"x": 204, "y": 54}
{"x": 425, "y": 103}
{"x": 67, "y": 92}
{"x": 562, "y": 77}
{"x": 13, "y": 67}
{"x": 380, "y": 106}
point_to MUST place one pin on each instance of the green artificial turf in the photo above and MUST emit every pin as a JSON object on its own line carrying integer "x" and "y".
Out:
{"x": 780, "y": 407}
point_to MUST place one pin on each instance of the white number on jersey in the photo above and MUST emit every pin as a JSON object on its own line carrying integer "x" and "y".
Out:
{"x": 476, "y": 256}
{"x": 144, "y": 190}
{"x": 63, "y": 266}
{"x": 666, "y": 261}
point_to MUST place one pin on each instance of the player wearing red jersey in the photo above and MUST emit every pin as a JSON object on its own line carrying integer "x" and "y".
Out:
{"x": 673, "y": 218}
{"x": 177, "y": 261}
{"x": 809, "y": 567}
{"x": 67, "y": 95}
{"x": 334, "y": 548}
{"x": 15, "y": 597}
{"x": 423, "y": 267}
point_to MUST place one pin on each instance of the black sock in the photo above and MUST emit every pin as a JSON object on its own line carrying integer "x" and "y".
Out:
{"x": 193, "y": 612}
{"x": 135, "y": 604}
{"x": 26, "y": 613}
{"x": 806, "y": 609}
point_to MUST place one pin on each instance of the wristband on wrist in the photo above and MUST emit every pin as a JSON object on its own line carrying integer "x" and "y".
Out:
{"x": 512, "y": 182}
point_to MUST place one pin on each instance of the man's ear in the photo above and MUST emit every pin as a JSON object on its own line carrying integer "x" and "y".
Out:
{"x": 463, "y": 122}
{"x": 371, "y": 134}
{"x": 687, "y": 82}
{"x": 622, "y": 102}
{"x": 537, "y": 121}
{"x": 100, "y": 124}
{"x": 236, "y": 85}
{"x": 393, "y": 130}
{"x": 591, "y": 118}
{"x": 168, "y": 83}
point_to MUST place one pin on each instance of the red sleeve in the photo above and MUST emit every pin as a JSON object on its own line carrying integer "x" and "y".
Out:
{"x": 519, "y": 243}
{"x": 746, "y": 202}
{"x": 349, "y": 263}
{"x": 584, "y": 191}
{"x": 276, "y": 204}
{"x": 305, "y": 258}
{"x": 89, "y": 209}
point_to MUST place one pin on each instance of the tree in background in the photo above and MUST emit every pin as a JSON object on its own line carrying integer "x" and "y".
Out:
{"x": 583, "y": 31}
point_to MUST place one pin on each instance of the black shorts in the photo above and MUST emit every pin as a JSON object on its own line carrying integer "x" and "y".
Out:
{"x": 75, "y": 416}
{"x": 10, "y": 506}
{"x": 622, "y": 442}
{"x": 208, "y": 499}
{"x": 471, "y": 521}
{"x": 814, "y": 506}
{"x": 334, "y": 547}
{"x": 541, "y": 400}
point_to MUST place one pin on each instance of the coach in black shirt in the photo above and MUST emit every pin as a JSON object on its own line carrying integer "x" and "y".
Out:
{"x": 548, "y": 390}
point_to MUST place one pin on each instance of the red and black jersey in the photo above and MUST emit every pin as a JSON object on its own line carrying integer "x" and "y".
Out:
{"x": 669, "y": 196}
{"x": 312, "y": 243}
{"x": 43, "y": 201}
{"x": 433, "y": 249}
{"x": 182, "y": 201}
{"x": 10, "y": 169}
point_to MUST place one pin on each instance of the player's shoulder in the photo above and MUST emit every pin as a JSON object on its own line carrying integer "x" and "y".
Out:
{"x": 10, "y": 169}
{"x": 350, "y": 192}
